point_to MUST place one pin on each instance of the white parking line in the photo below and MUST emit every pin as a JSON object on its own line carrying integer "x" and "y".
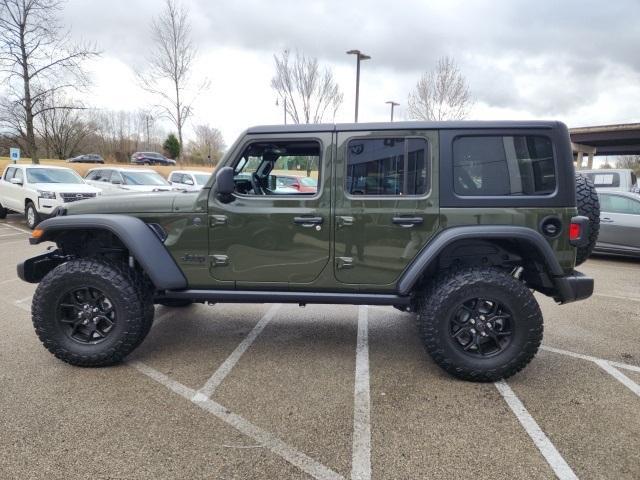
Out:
{"x": 617, "y": 297}
{"x": 618, "y": 375}
{"x": 560, "y": 467}
{"x": 625, "y": 366}
{"x": 216, "y": 379}
{"x": 361, "y": 455}
{"x": 21, "y": 303}
{"x": 9, "y": 235}
{"x": 268, "y": 440}
{"x": 16, "y": 228}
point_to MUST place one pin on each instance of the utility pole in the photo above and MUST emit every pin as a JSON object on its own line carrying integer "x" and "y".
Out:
{"x": 393, "y": 104}
{"x": 359, "y": 56}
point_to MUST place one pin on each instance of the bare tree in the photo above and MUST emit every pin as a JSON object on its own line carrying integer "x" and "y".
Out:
{"x": 308, "y": 92}
{"x": 208, "y": 146}
{"x": 63, "y": 129}
{"x": 442, "y": 94}
{"x": 170, "y": 64}
{"x": 629, "y": 161}
{"x": 37, "y": 59}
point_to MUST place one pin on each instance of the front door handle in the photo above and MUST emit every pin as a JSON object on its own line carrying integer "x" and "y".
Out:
{"x": 308, "y": 222}
{"x": 407, "y": 222}
{"x": 606, "y": 220}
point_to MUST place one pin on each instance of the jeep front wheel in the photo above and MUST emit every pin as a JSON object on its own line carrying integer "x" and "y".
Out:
{"x": 90, "y": 313}
{"x": 480, "y": 324}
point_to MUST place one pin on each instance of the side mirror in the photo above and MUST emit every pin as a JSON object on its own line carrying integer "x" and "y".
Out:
{"x": 225, "y": 186}
{"x": 116, "y": 181}
{"x": 16, "y": 181}
{"x": 188, "y": 181}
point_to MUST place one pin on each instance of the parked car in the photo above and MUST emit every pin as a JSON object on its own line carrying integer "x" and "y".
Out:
{"x": 151, "y": 158}
{"x": 37, "y": 190}
{"x": 114, "y": 181}
{"x": 619, "y": 224}
{"x": 87, "y": 158}
{"x": 301, "y": 184}
{"x": 188, "y": 180}
{"x": 621, "y": 179}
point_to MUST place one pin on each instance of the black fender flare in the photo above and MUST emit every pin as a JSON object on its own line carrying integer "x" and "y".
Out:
{"x": 142, "y": 243}
{"x": 414, "y": 272}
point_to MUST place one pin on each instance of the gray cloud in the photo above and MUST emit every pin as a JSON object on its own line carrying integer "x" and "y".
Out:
{"x": 563, "y": 48}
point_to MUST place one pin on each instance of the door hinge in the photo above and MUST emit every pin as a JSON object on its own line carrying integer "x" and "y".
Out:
{"x": 344, "y": 263}
{"x": 219, "y": 260}
{"x": 217, "y": 220}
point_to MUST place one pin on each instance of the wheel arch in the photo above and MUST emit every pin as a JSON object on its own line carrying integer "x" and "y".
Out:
{"x": 141, "y": 242}
{"x": 512, "y": 243}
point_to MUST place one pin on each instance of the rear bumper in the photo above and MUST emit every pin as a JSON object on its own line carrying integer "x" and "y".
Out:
{"x": 573, "y": 287}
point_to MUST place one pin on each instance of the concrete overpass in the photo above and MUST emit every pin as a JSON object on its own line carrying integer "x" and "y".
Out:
{"x": 623, "y": 139}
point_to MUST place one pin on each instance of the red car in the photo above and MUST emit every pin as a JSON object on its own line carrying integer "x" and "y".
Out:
{"x": 302, "y": 184}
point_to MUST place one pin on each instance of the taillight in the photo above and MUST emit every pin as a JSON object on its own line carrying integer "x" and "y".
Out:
{"x": 574, "y": 231}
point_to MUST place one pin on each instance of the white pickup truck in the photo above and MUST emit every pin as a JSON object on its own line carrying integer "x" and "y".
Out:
{"x": 36, "y": 190}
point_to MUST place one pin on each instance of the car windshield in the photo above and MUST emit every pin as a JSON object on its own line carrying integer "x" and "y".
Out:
{"x": 143, "y": 178}
{"x": 202, "y": 178}
{"x": 52, "y": 175}
{"x": 309, "y": 182}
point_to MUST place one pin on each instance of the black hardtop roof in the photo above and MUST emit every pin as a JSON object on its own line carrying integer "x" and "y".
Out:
{"x": 449, "y": 125}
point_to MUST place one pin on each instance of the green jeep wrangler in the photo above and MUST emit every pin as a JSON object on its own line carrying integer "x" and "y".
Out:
{"x": 457, "y": 222}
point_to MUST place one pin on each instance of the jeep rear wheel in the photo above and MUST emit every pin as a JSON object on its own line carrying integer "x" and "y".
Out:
{"x": 90, "y": 313}
{"x": 480, "y": 324}
{"x": 588, "y": 206}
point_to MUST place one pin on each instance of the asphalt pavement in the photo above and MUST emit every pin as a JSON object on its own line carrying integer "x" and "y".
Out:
{"x": 279, "y": 392}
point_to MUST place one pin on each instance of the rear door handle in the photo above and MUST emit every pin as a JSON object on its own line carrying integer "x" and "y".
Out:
{"x": 606, "y": 220}
{"x": 308, "y": 222}
{"x": 407, "y": 222}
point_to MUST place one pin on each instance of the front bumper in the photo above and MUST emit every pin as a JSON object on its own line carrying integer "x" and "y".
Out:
{"x": 573, "y": 287}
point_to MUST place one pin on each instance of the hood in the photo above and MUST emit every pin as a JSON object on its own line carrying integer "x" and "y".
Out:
{"x": 162, "y": 202}
{"x": 66, "y": 187}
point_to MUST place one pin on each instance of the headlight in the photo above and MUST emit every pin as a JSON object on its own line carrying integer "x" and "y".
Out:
{"x": 47, "y": 195}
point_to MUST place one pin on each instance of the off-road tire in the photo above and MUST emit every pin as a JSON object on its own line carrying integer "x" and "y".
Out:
{"x": 3, "y": 212}
{"x": 130, "y": 301}
{"x": 175, "y": 302}
{"x": 588, "y": 206}
{"x": 448, "y": 292}
{"x": 36, "y": 216}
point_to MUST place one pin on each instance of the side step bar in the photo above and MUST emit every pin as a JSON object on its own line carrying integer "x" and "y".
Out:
{"x": 249, "y": 296}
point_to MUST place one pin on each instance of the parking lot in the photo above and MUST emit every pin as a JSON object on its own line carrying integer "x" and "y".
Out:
{"x": 278, "y": 391}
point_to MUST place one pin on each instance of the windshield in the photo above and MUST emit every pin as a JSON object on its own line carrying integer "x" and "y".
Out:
{"x": 202, "y": 178}
{"x": 143, "y": 178}
{"x": 52, "y": 175}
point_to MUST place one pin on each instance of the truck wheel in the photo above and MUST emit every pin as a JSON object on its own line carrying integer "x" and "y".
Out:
{"x": 588, "y": 206}
{"x": 3, "y": 212}
{"x": 31, "y": 215}
{"x": 90, "y": 313}
{"x": 480, "y": 324}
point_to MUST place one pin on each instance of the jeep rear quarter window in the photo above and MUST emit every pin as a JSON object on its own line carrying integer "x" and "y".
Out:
{"x": 387, "y": 166}
{"x": 503, "y": 165}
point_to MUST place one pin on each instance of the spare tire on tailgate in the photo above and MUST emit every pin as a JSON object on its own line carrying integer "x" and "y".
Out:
{"x": 588, "y": 206}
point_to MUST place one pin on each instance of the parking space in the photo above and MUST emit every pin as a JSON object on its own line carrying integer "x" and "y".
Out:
{"x": 262, "y": 391}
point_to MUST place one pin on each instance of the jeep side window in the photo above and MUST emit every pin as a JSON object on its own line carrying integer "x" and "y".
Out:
{"x": 387, "y": 166}
{"x": 258, "y": 168}
{"x": 496, "y": 165}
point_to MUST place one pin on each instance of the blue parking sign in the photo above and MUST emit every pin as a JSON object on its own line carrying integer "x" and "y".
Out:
{"x": 14, "y": 154}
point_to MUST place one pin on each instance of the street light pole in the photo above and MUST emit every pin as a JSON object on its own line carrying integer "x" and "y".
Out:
{"x": 359, "y": 56}
{"x": 393, "y": 104}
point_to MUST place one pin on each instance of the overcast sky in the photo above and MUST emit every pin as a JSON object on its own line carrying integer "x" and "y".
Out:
{"x": 576, "y": 61}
